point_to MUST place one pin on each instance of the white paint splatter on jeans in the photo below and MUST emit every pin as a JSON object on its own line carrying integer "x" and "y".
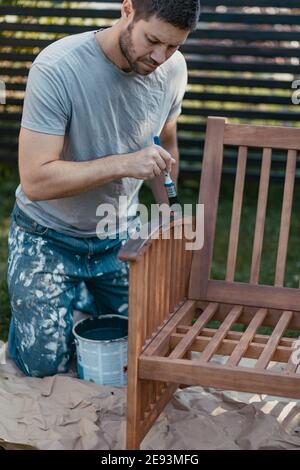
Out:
{"x": 45, "y": 271}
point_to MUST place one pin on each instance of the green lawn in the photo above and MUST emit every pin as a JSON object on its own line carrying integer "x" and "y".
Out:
{"x": 8, "y": 183}
{"x": 188, "y": 194}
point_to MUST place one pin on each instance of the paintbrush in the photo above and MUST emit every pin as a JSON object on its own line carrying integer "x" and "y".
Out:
{"x": 169, "y": 183}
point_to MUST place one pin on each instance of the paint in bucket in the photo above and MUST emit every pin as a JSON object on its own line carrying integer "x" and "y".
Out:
{"x": 102, "y": 349}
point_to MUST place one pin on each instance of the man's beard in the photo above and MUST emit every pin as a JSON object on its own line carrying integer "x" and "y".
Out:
{"x": 127, "y": 49}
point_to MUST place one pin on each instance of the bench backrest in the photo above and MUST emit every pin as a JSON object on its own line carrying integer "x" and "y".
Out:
{"x": 220, "y": 134}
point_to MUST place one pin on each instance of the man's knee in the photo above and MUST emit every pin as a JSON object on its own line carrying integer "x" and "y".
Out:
{"x": 40, "y": 337}
{"x": 37, "y": 361}
{"x": 44, "y": 366}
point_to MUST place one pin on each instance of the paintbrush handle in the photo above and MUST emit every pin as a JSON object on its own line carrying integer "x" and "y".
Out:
{"x": 169, "y": 183}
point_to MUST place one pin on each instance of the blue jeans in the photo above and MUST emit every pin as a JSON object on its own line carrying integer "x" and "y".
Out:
{"x": 45, "y": 271}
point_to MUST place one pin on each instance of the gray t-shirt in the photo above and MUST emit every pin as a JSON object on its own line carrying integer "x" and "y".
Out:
{"x": 75, "y": 91}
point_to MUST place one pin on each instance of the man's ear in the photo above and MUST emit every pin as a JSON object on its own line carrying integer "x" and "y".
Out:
{"x": 126, "y": 9}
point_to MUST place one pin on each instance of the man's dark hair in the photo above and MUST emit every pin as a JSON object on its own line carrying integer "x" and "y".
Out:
{"x": 183, "y": 14}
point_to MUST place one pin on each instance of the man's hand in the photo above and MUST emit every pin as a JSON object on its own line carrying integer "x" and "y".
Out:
{"x": 147, "y": 163}
{"x": 44, "y": 176}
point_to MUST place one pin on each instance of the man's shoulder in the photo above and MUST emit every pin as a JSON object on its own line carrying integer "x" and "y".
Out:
{"x": 176, "y": 69}
{"x": 177, "y": 63}
{"x": 59, "y": 52}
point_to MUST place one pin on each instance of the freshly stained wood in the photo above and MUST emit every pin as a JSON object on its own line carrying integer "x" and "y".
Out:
{"x": 253, "y": 295}
{"x": 215, "y": 342}
{"x": 227, "y": 346}
{"x": 262, "y": 136}
{"x": 157, "y": 408}
{"x": 286, "y": 217}
{"x": 247, "y": 337}
{"x": 236, "y": 213}
{"x": 135, "y": 343}
{"x": 261, "y": 215}
{"x": 211, "y": 178}
{"x": 214, "y": 375}
{"x": 237, "y": 336}
{"x": 188, "y": 339}
{"x": 272, "y": 344}
{"x": 184, "y": 313}
{"x": 291, "y": 366}
{"x": 170, "y": 322}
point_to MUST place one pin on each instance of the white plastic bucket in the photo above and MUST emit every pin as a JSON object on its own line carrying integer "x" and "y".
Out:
{"x": 102, "y": 349}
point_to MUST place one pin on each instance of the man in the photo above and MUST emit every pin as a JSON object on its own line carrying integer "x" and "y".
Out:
{"x": 93, "y": 103}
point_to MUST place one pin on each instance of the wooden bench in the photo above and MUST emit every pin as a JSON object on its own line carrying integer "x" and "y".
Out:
{"x": 172, "y": 296}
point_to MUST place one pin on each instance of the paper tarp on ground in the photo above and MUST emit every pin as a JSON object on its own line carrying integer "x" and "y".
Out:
{"x": 63, "y": 412}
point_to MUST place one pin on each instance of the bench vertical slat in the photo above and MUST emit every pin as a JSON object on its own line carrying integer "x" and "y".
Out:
{"x": 286, "y": 217}
{"x": 145, "y": 387}
{"x": 151, "y": 318}
{"x": 149, "y": 389}
{"x": 160, "y": 291}
{"x": 157, "y": 297}
{"x": 274, "y": 340}
{"x": 167, "y": 279}
{"x": 247, "y": 337}
{"x": 260, "y": 216}
{"x": 146, "y": 297}
{"x": 179, "y": 274}
{"x": 184, "y": 267}
{"x": 236, "y": 213}
{"x": 173, "y": 270}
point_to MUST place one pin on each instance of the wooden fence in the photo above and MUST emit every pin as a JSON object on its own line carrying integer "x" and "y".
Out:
{"x": 242, "y": 60}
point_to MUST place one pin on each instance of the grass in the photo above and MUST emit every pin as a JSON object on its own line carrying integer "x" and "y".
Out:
{"x": 8, "y": 183}
{"x": 188, "y": 194}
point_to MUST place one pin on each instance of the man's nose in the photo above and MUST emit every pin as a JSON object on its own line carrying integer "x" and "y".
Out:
{"x": 159, "y": 55}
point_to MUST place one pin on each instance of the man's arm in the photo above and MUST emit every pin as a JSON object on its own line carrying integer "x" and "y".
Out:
{"x": 169, "y": 142}
{"x": 44, "y": 176}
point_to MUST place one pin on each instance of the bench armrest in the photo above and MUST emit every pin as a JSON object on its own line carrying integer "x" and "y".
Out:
{"x": 133, "y": 249}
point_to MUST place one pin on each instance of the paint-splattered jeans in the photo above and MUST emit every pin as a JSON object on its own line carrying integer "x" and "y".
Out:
{"x": 45, "y": 272}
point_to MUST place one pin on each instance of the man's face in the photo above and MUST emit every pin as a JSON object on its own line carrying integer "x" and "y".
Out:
{"x": 148, "y": 44}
